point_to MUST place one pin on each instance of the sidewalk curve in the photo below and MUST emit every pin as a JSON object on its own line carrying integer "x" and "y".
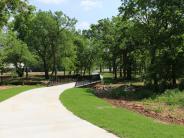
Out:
{"x": 38, "y": 113}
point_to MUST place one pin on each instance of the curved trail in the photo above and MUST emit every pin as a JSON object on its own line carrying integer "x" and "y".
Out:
{"x": 38, "y": 113}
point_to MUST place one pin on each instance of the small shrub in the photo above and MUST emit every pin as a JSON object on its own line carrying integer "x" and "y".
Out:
{"x": 138, "y": 94}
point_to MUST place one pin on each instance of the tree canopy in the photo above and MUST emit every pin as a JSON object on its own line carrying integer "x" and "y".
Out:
{"x": 145, "y": 40}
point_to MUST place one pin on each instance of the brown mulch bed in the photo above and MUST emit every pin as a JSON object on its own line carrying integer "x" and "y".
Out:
{"x": 142, "y": 110}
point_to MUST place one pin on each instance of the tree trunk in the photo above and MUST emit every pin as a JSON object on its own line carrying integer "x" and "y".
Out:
{"x": 125, "y": 64}
{"x": 84, "y": 72}
{"x": 173, "y": 76}
{"x": 27, "y": 73}
{"x": 55, "y": 74}
{"x": 110, "y": 69}
{"x": 100, "y": 68}
{"x": 129, "y": 72}
{"x": 121, "y": 72}
{"x": 129, "y": 68}
{"x": 115, "y": 69}
{"x": 46, "y": 74}
{"x": 46, "y": 70}
{"x": 121, "y": 66}
{"x": 64, "y": 72}
{"x": 89, "y": 71}
{"x": 55, "y": 68}
{"x": 115, "y": 73}
{"x": 81, "y": 71}
{"x": 20, "y": 72}
{"x": 124, "y": 73}
{"x": 154, "y": 75}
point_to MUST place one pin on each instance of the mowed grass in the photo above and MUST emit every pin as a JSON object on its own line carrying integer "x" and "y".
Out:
{"x": 121, "y": 122}
{"x": 8, "y": 93}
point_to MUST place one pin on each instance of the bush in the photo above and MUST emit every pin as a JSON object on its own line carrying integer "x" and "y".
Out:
{"x": 138, "y": 94}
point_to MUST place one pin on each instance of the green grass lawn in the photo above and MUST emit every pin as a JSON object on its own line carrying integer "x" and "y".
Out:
{"x": 7, "y": 93}
{"x": 121, "y": 122}
{"x": 107, "y": 75}
{"x": 109, "y": 78}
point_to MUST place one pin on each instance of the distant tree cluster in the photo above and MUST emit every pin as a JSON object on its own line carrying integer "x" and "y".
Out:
{"x": 40, "y": 39}
{"x": 145, "y": 40}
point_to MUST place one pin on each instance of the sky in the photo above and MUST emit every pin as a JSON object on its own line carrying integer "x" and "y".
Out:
{"x": 85, "y": 11}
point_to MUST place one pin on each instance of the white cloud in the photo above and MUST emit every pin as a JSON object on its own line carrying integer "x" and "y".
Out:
{"x": 91, "y": 4}
{"x": 83, "y": 25}
{"x": 51, "y": 1}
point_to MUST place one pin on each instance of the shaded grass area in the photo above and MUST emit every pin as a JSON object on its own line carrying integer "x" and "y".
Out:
{"x": 8, "y": 93}
{"x": 121, "y": 122}
{"x": 107, "y": 74}
{"x": 108, "y": 79}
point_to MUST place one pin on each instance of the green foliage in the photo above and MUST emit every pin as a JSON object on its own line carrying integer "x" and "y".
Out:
{"x": 22, "y": 22}
{"x": 146, "y": 39}
{"x": 51, "y": 40}
{"x": 15, "y": 52}
{"x": 159, "y": 25}
{"x": 2, "y": 56}
{"x": 86, "y": 55}
{"x": 9, "y": 7}
{"x": 68, "y": 52}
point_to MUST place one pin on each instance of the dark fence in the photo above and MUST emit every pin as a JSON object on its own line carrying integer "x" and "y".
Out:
{"x": 62, "y": 79}
{"x": 4, "y": 79}
{"x": 87, "y": 80}
{"x": 80, "y": 80}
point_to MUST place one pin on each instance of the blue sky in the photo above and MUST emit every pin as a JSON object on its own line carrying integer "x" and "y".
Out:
{"x": 85, "y": 11}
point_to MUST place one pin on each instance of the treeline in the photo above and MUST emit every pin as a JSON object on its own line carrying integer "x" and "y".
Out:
{"x": 145, "y": 40}
{"x": 42, "y": 40}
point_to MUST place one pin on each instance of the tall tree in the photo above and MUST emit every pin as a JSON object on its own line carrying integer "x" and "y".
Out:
{"x": 47, "y": 38}
{"x": 43, "y": 29}
{"x": 64, "y": 25}
{"x": 16, "y": 52}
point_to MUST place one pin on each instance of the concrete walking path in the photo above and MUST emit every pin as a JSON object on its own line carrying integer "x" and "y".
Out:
{"x": 38, "y": 113}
